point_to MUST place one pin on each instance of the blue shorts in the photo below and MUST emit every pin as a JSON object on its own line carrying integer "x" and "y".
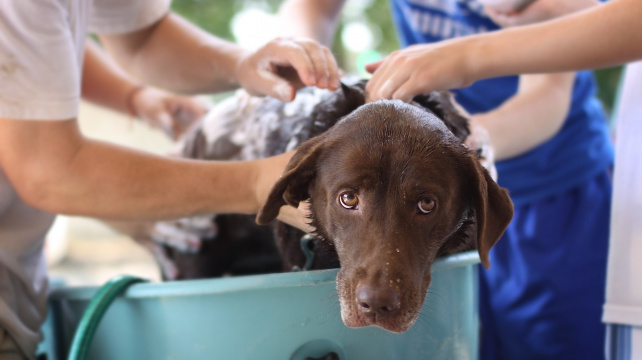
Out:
{"x": 543, "y": 296}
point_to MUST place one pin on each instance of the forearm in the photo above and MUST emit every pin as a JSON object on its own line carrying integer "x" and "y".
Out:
{"x": 54, "y": 168}
{"x": 311, "y": 18}
{"x": 531, "y": 117}
{"x": 176, "y": 55}
{"x": 602, "y": 36}
{"x": 103, "y": 83}
{"x": 130, "y": 185}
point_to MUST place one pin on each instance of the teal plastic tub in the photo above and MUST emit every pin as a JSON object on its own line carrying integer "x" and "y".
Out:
{"x": 288, "y": 316}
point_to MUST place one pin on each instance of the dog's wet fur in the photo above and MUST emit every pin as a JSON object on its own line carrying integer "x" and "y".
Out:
{"x": 391, "y": 187}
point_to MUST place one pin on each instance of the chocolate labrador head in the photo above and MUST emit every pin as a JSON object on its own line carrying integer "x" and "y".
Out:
{"x": 391, "y": 188}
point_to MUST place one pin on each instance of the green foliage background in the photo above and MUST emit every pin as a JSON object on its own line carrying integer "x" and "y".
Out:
{"x": 215, "y": 17}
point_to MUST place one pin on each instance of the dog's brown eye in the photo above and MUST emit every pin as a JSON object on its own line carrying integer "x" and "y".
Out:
{"x": 426, "y": 206}
{"x": 349, "y": 200}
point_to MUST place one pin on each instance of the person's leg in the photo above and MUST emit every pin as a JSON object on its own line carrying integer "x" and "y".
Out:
{"x": 9, "y": 350}
{"x": 543, "y": 296}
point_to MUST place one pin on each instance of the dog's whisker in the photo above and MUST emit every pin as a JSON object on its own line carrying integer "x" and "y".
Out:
{"x": 436, "y": 306}
{"x": 423, "y": 319}
{"x": 434, "y": 294}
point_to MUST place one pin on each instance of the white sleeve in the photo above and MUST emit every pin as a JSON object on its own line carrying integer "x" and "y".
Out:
{"x": 39, "y": 70}
{"x": 624, "y": 275}
{"x": 122, "y": 16}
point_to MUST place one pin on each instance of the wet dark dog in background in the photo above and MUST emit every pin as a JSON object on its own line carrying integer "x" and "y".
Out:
{"x": 391, "y": 187}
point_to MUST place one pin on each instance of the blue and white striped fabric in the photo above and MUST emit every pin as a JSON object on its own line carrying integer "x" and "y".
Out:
{"x": 618, "y": 342}
{"x": 623, "y": 342}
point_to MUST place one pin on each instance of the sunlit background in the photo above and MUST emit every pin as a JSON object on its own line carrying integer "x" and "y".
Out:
{"x": 84, "y": 251}
{"x": 365, "y": 34}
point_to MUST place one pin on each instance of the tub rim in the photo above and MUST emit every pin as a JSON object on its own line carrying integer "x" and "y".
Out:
{"x": 241, "y": 283}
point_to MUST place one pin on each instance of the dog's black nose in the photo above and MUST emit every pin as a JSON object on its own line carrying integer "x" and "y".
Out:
{"x": 376, "y": 300}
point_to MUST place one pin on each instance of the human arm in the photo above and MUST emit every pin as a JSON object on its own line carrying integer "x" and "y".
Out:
{"x": 311, "y": 18}
{"x": 602, "y": 36}
{"x": 107, "y": 85}
{"x": 176, "y": 55}
{"x": 54, "y": 168}
{"x": 523, "y": 116}
{"x": 529, "y": 118}
{"x": 539, "y": 107}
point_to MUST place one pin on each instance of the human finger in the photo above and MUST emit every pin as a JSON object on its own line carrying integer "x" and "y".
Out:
{"x": 406, "y": 91}
{"x": 387, "y": 80}
{"x": 380, "y": 76}
{"x": 297, "y": 217}
{"x": 275, "y": 86}
{"x": 388, "y": 88}
{"x": 376, "y": 79}
{"x": 325, "y": 65}
{"x": 335, "y": 74}
{"x": 184, "y": 113}
{"x": 317, "y": 56}
{"x": 187, "y": 110}
{"x": 372, "y": 67}
{"x": 285, "y": 52}
{"x": 163, "y": 120}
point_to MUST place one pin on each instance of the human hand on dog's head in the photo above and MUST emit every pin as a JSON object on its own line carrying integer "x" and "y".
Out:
{"x": 421, "y": 68}
{"x": 284, "y": 65}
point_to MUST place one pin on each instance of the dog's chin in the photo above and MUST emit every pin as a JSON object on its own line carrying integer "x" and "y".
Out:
{"x": 394, "y": 325}
{"x": 397, "y": 324}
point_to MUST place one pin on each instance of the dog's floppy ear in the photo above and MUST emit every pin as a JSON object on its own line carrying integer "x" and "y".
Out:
{"x": 493, "y": 210}
{"x": 293, "y": 185}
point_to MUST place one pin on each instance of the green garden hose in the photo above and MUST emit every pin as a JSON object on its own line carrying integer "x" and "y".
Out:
{"x": 307, "y": 246}
{"x": 94, "y": 313}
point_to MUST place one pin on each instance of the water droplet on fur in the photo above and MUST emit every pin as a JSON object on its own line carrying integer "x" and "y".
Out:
{"x": 397, "y": 249}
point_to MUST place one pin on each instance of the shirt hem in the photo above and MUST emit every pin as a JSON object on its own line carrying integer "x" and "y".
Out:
{"x": 619, "y": 314}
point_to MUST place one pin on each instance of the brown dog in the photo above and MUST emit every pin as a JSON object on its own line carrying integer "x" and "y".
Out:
{"x": 392, "y": 188}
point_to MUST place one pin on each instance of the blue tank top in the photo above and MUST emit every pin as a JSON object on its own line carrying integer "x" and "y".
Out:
{"x": 580, "y": 150}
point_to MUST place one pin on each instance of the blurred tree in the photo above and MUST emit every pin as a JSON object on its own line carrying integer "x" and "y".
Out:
{"x": 608, "y": 81}
{"x": 379, "y": 13}
{"x": 210, "y": 15}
